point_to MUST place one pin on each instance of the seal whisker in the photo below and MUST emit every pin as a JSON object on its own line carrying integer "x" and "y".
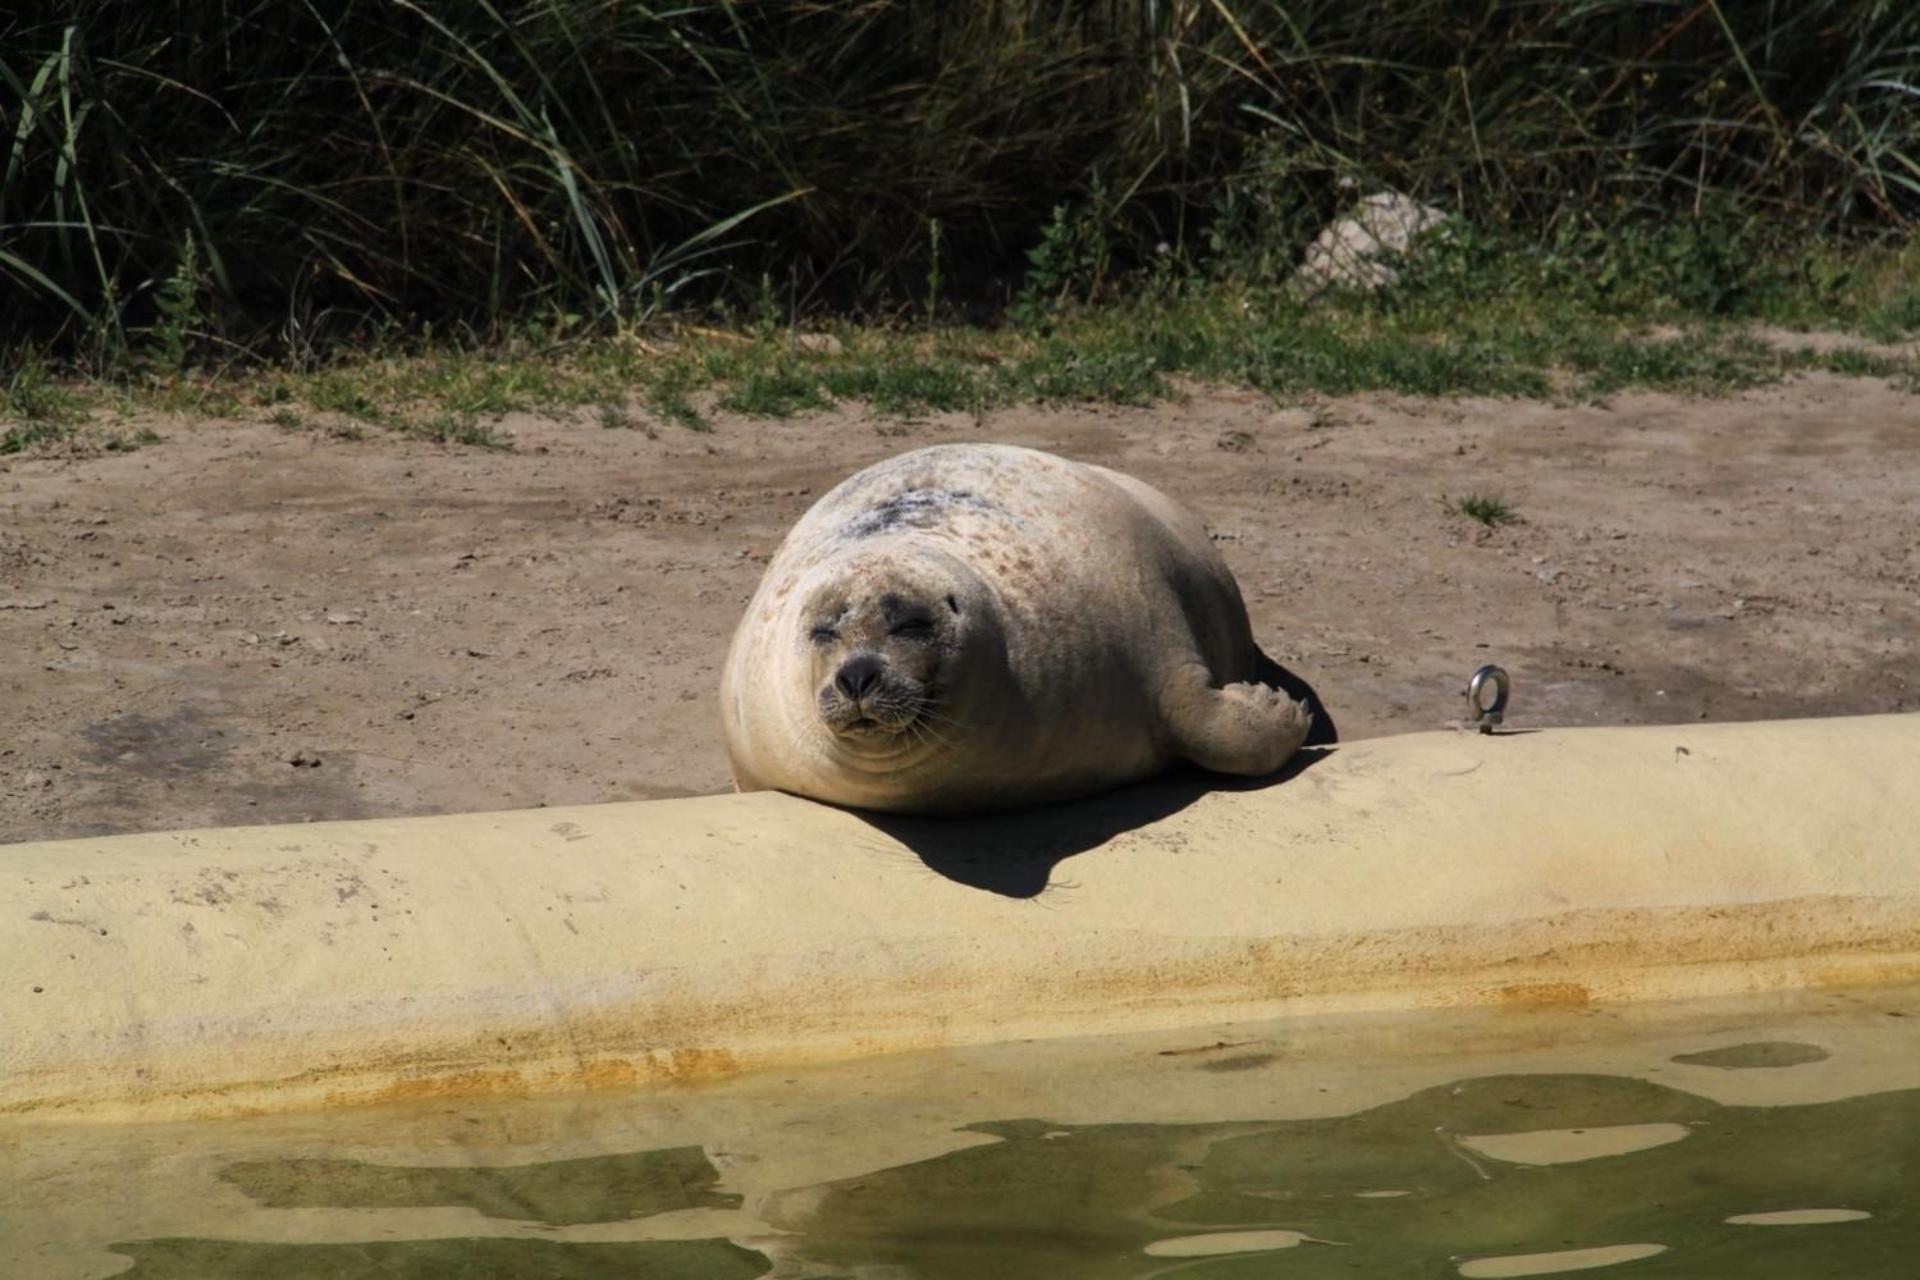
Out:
{"x": 937, "y": 717}
{"x": 925, "y": 733}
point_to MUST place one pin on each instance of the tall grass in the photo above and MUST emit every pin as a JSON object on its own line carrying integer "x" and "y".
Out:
{"x": 285, "y": 177}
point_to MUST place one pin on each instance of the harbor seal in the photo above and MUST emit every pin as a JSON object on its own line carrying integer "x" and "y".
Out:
{"x": 973, "y": 626}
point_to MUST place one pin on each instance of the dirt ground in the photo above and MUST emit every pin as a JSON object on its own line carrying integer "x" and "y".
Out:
{"x": 246, "y": 624}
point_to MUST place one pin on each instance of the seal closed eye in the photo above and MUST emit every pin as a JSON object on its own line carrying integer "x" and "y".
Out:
{"x": 970, "y": 626}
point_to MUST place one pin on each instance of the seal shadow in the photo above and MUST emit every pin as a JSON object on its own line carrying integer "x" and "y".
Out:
{"x": 1013, "y": 852}
{"x": 1270, "y": 673}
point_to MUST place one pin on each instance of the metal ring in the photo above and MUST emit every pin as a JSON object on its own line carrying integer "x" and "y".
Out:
{"x": 1487, "y": 717}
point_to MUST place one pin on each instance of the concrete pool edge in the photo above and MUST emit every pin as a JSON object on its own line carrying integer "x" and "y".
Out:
{"x": 210, "y": 972}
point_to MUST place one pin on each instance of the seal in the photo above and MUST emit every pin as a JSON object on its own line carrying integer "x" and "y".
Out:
{"x": 972, "y": 626}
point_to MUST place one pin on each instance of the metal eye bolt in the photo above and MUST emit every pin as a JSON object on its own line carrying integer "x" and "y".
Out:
{"x": 1483, "y": 716}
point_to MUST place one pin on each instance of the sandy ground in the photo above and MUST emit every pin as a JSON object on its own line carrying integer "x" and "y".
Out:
{"x": 244, "y": 624}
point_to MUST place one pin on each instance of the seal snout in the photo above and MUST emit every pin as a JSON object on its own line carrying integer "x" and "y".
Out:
{"x": 859, "y": 676}
{"x": 883, "y": 636}
{"x": 866, "y": 698}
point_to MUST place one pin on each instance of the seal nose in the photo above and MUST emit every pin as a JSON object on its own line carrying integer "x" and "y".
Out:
{"x": 858, "y": 676}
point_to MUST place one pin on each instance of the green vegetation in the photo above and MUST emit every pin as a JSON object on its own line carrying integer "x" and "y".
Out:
{"x": 212, "y": 179}
{"x": 1421, "y": 337}
{"x": 1489, "y": 509}
{"x": 418, "y": 218}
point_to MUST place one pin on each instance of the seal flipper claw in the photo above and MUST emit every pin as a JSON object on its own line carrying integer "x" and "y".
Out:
{"x": 1245, "y": 729}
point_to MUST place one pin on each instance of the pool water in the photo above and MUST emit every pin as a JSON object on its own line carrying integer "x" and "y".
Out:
{"x": 1758, "y": 1138}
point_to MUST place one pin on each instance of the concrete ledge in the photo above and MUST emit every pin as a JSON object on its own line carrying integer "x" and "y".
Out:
{"x": 209, "y": 972}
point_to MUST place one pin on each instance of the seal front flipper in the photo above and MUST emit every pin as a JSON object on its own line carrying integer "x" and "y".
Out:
{"x": 1245, "y": 729}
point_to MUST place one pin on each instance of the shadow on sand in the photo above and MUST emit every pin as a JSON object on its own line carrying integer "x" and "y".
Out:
{"x": 1014, "y": 852}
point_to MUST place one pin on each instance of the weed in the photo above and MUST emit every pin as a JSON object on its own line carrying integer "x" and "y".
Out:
{"x": 905, "y": 384}
{"x": 933, "y": 272}
{"x": 453, "y": 428}
{"x": 1071, "y": 259}
{"x": 1895, "y": 318}
{"x": 1118, "y": 373}
{"x": 36, "y": 398}
{"x": 340, "y": 392}
{"x": 665, "y": 395}
{"x": 774, "y": 389}
{"x": 1487, "y": 508}
{"x": 1695, "y": 364}
{"x": 1851, "y": 362}
{"x": 177, "y": 300}
{"x": 202, "y": 397}
{"x": 21, "y": 438}
{"x": 128, "y": 444}
{"x": 477, "y": 383}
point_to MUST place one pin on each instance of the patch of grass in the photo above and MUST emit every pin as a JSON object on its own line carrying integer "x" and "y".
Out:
{"x": 665, "y": 393}
{"x": 1851, "y": 362}
{"x": 1892, "y": 318}
{"x": 470, "y": 383}
{"x": 37, "y": 407}
{"x": 1489, "y": 509}
{"x": 341, "y": 392}
{"x": 21, "y": 438}
{"x": 1120, "y": 370}
{"x": 201, "y": 396}
{"x": 1485, "y": 316}
{"x": 1424, "y": 341}
{"x": 1609, "y": 363}
{"x": 905, "y": 383}
{"x": 454, "y": 428}
{"x": 778, "y": 387}
{"x": 35, "y": 395}
{"x": 117, "y": 443}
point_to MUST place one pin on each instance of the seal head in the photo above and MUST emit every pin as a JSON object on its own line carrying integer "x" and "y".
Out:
{"x": 891, "y": 646}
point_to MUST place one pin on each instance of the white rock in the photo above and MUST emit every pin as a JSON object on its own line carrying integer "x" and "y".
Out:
{"x": 1353, "y": 252}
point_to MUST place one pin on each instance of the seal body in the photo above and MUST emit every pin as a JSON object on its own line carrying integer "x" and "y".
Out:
{"x": 971, "y": 626}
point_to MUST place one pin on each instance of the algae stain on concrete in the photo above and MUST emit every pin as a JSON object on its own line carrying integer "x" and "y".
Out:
{"x": 1034, "y": 1206}
{"x": 442, "y": 1260}
{"x": 1756, "y": 1054}
{"x": 560, "y": 1192}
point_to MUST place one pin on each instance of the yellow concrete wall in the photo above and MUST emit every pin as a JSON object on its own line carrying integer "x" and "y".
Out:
{"x": 206, "y": 972}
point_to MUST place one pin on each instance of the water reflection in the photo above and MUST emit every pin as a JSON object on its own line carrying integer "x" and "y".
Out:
{"x": 1766, "y": 1141}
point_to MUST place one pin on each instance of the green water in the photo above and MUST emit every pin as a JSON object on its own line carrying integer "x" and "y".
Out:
{"x": 1423, "y": 1184}
{"x": 1763, "y": 1053}
{"x": 445, "y": 1260}
{"x": 560, "y": 1192}
{"x": 1052, "y": 1202}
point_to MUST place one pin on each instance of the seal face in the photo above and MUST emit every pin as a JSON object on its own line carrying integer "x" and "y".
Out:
{"x": 969, "y": 626}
